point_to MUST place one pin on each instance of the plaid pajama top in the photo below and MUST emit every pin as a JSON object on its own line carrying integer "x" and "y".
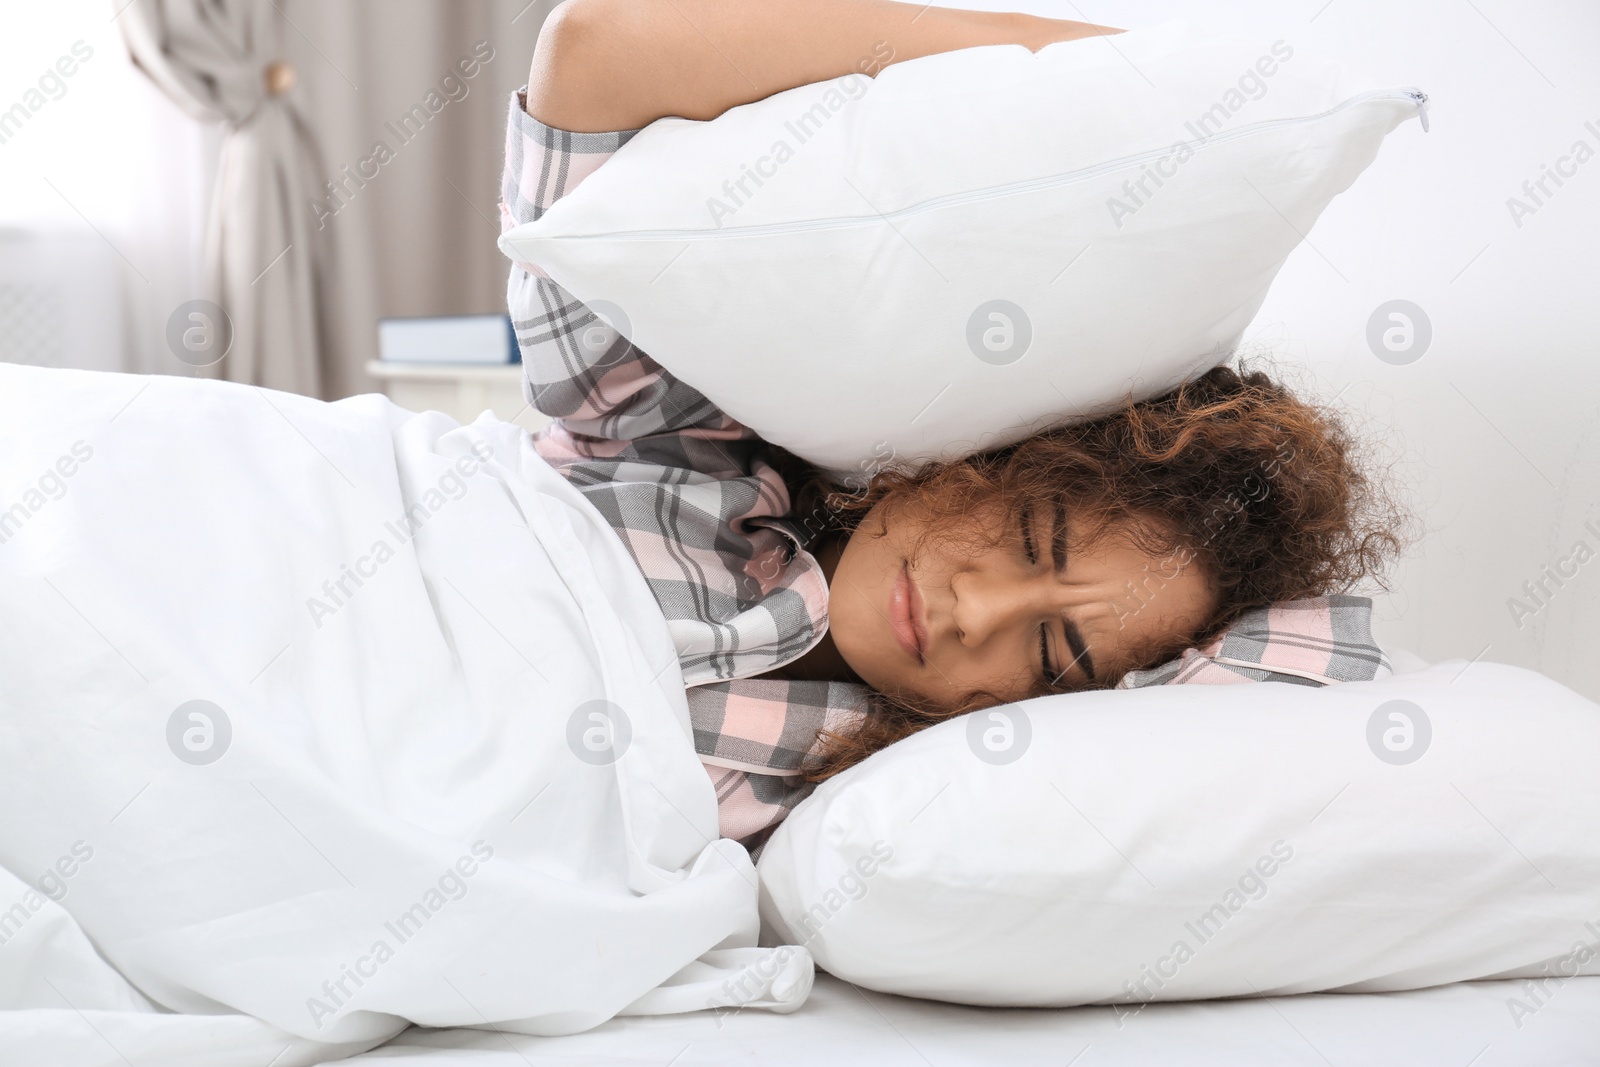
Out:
{"x": 684, "y": 488}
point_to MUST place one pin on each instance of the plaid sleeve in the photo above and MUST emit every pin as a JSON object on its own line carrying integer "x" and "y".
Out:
{"x": 750, "y": 806}
{"x": 1315, "y": 642}
{"x": 754, "y": 735}
{"x": 766, "y": 725}
{"x": 576, "y": 367}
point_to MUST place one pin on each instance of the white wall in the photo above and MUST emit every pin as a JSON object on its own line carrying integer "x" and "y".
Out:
{"x": 107, "y": 179}
{"x": 1496, "y": 428}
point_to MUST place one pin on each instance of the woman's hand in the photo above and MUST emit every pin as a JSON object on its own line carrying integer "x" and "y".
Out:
{"x": 604, "y": 65}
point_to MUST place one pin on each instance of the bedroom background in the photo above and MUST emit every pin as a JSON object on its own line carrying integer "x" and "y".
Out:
{"x": 1486, "y": 402}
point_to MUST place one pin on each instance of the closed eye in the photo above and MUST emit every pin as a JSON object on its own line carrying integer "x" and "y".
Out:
{"x": 1080, "y": 651}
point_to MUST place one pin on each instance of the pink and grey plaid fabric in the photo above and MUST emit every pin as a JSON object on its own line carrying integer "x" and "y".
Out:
{"x": 685, "y": 489}
{"x": 1304, "y": 642}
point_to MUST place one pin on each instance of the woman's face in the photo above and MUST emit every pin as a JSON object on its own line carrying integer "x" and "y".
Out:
{"x": 947, "y": 621}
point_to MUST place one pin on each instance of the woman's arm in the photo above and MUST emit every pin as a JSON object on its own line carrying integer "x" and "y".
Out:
{"x": 604, "y": 65}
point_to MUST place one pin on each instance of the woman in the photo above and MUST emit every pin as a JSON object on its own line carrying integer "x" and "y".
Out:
{"x": 814, "y": 626}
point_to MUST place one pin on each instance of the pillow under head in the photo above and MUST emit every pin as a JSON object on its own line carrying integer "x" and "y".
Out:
{"x": 1194, "y": 841}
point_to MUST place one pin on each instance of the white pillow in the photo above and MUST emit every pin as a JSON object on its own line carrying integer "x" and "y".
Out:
{"x": 940, "y": 258}
{"x": 1185, "y": 842}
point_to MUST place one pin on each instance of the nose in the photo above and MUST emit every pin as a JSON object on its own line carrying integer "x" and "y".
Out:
{"x": 987, "y": 603}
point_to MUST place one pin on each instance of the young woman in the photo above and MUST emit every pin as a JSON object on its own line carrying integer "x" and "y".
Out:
{"x": 816, "y": 626}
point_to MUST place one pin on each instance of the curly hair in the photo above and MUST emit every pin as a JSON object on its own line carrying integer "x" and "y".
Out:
{"x": 1268, "y": 494}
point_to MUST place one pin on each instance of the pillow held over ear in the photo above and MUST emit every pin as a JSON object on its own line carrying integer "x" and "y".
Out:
{"x": 971, "y": 245}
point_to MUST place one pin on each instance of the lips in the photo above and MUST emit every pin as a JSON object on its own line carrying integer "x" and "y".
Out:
{"x": 905, "y": 615}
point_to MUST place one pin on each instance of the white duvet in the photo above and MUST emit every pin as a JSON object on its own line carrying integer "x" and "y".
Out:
{"x": 320, "y": 719}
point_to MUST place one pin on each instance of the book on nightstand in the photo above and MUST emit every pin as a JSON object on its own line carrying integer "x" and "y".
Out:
{"x": 456, "y": 339}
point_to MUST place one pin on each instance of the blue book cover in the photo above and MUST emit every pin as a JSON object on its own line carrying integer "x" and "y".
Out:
{"x": 475, "y": 339}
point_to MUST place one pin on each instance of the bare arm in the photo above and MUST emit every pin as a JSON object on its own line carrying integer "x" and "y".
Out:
{"x": 605, "y": 65}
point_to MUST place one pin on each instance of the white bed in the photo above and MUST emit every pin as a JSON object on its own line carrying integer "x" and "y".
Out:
{"x": 1469, "y": 1023}
{"x": 249, "y": 944}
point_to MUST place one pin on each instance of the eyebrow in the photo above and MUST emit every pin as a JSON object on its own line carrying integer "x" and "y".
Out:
{"x": 1058, "y": 538}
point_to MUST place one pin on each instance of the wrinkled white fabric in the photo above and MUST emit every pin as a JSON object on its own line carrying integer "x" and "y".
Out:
{"x": 402, "y": 629}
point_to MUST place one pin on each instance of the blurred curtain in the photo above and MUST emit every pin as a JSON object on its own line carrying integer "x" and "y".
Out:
{"x": 216, "y": 59}
{"x": 364, "y": 149}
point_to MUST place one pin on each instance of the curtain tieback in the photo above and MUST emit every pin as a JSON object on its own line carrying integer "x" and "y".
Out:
{"x": 279, "y": 76}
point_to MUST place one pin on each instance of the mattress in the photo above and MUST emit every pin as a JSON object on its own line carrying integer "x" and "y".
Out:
{"x": 1481, "y": 1024}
